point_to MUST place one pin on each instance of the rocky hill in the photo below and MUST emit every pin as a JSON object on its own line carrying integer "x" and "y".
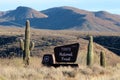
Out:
{"x": 60, "y": 18}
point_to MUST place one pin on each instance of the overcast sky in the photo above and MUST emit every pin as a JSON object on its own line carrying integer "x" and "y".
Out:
{"x": 112, "y": 6}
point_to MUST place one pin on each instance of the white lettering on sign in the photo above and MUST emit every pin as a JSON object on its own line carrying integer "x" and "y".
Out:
{"x": 65, "y": 59}
{"x": 66, "y": 54}
{"x": 66, "y": 49}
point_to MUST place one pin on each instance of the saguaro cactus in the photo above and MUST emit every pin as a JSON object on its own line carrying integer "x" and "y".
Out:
{"x": 26, "y": 45}
{"x": 90, "y": 54}
{"x": 102, "y": 59}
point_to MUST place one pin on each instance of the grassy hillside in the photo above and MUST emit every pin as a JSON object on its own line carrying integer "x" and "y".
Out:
{"x": 12, "y": 68}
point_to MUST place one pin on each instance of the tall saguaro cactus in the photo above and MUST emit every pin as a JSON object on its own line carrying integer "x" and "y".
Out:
{"x": 102, "y": 59}
{"x": 26, "y": 45}
{"x": 90, "y": 54}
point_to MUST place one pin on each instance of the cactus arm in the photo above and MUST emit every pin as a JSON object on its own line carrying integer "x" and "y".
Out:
{"x": 22, "y": 44}
{"x": 32, "y": 46}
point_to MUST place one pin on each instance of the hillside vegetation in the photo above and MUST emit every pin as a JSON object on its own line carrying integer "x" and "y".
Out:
{"x": 12, "y": 67}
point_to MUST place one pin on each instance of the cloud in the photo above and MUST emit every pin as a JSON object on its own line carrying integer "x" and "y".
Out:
{"x": 114, "y": 11}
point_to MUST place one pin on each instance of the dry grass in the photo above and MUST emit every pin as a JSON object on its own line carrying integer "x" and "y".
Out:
{"x": 13, "y": 69}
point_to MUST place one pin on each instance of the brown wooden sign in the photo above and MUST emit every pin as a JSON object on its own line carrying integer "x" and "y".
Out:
{"x": 66, "y": 53}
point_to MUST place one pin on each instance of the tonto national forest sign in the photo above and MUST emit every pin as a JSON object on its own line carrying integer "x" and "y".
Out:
{"x": 66, "y": 53}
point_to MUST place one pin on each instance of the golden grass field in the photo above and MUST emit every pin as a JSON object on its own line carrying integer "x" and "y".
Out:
{"x": 14, "y": 69}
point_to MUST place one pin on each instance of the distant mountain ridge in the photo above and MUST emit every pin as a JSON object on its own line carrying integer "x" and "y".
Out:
{"x": 60, "y": 18}
{"x": 23, "y": 13}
